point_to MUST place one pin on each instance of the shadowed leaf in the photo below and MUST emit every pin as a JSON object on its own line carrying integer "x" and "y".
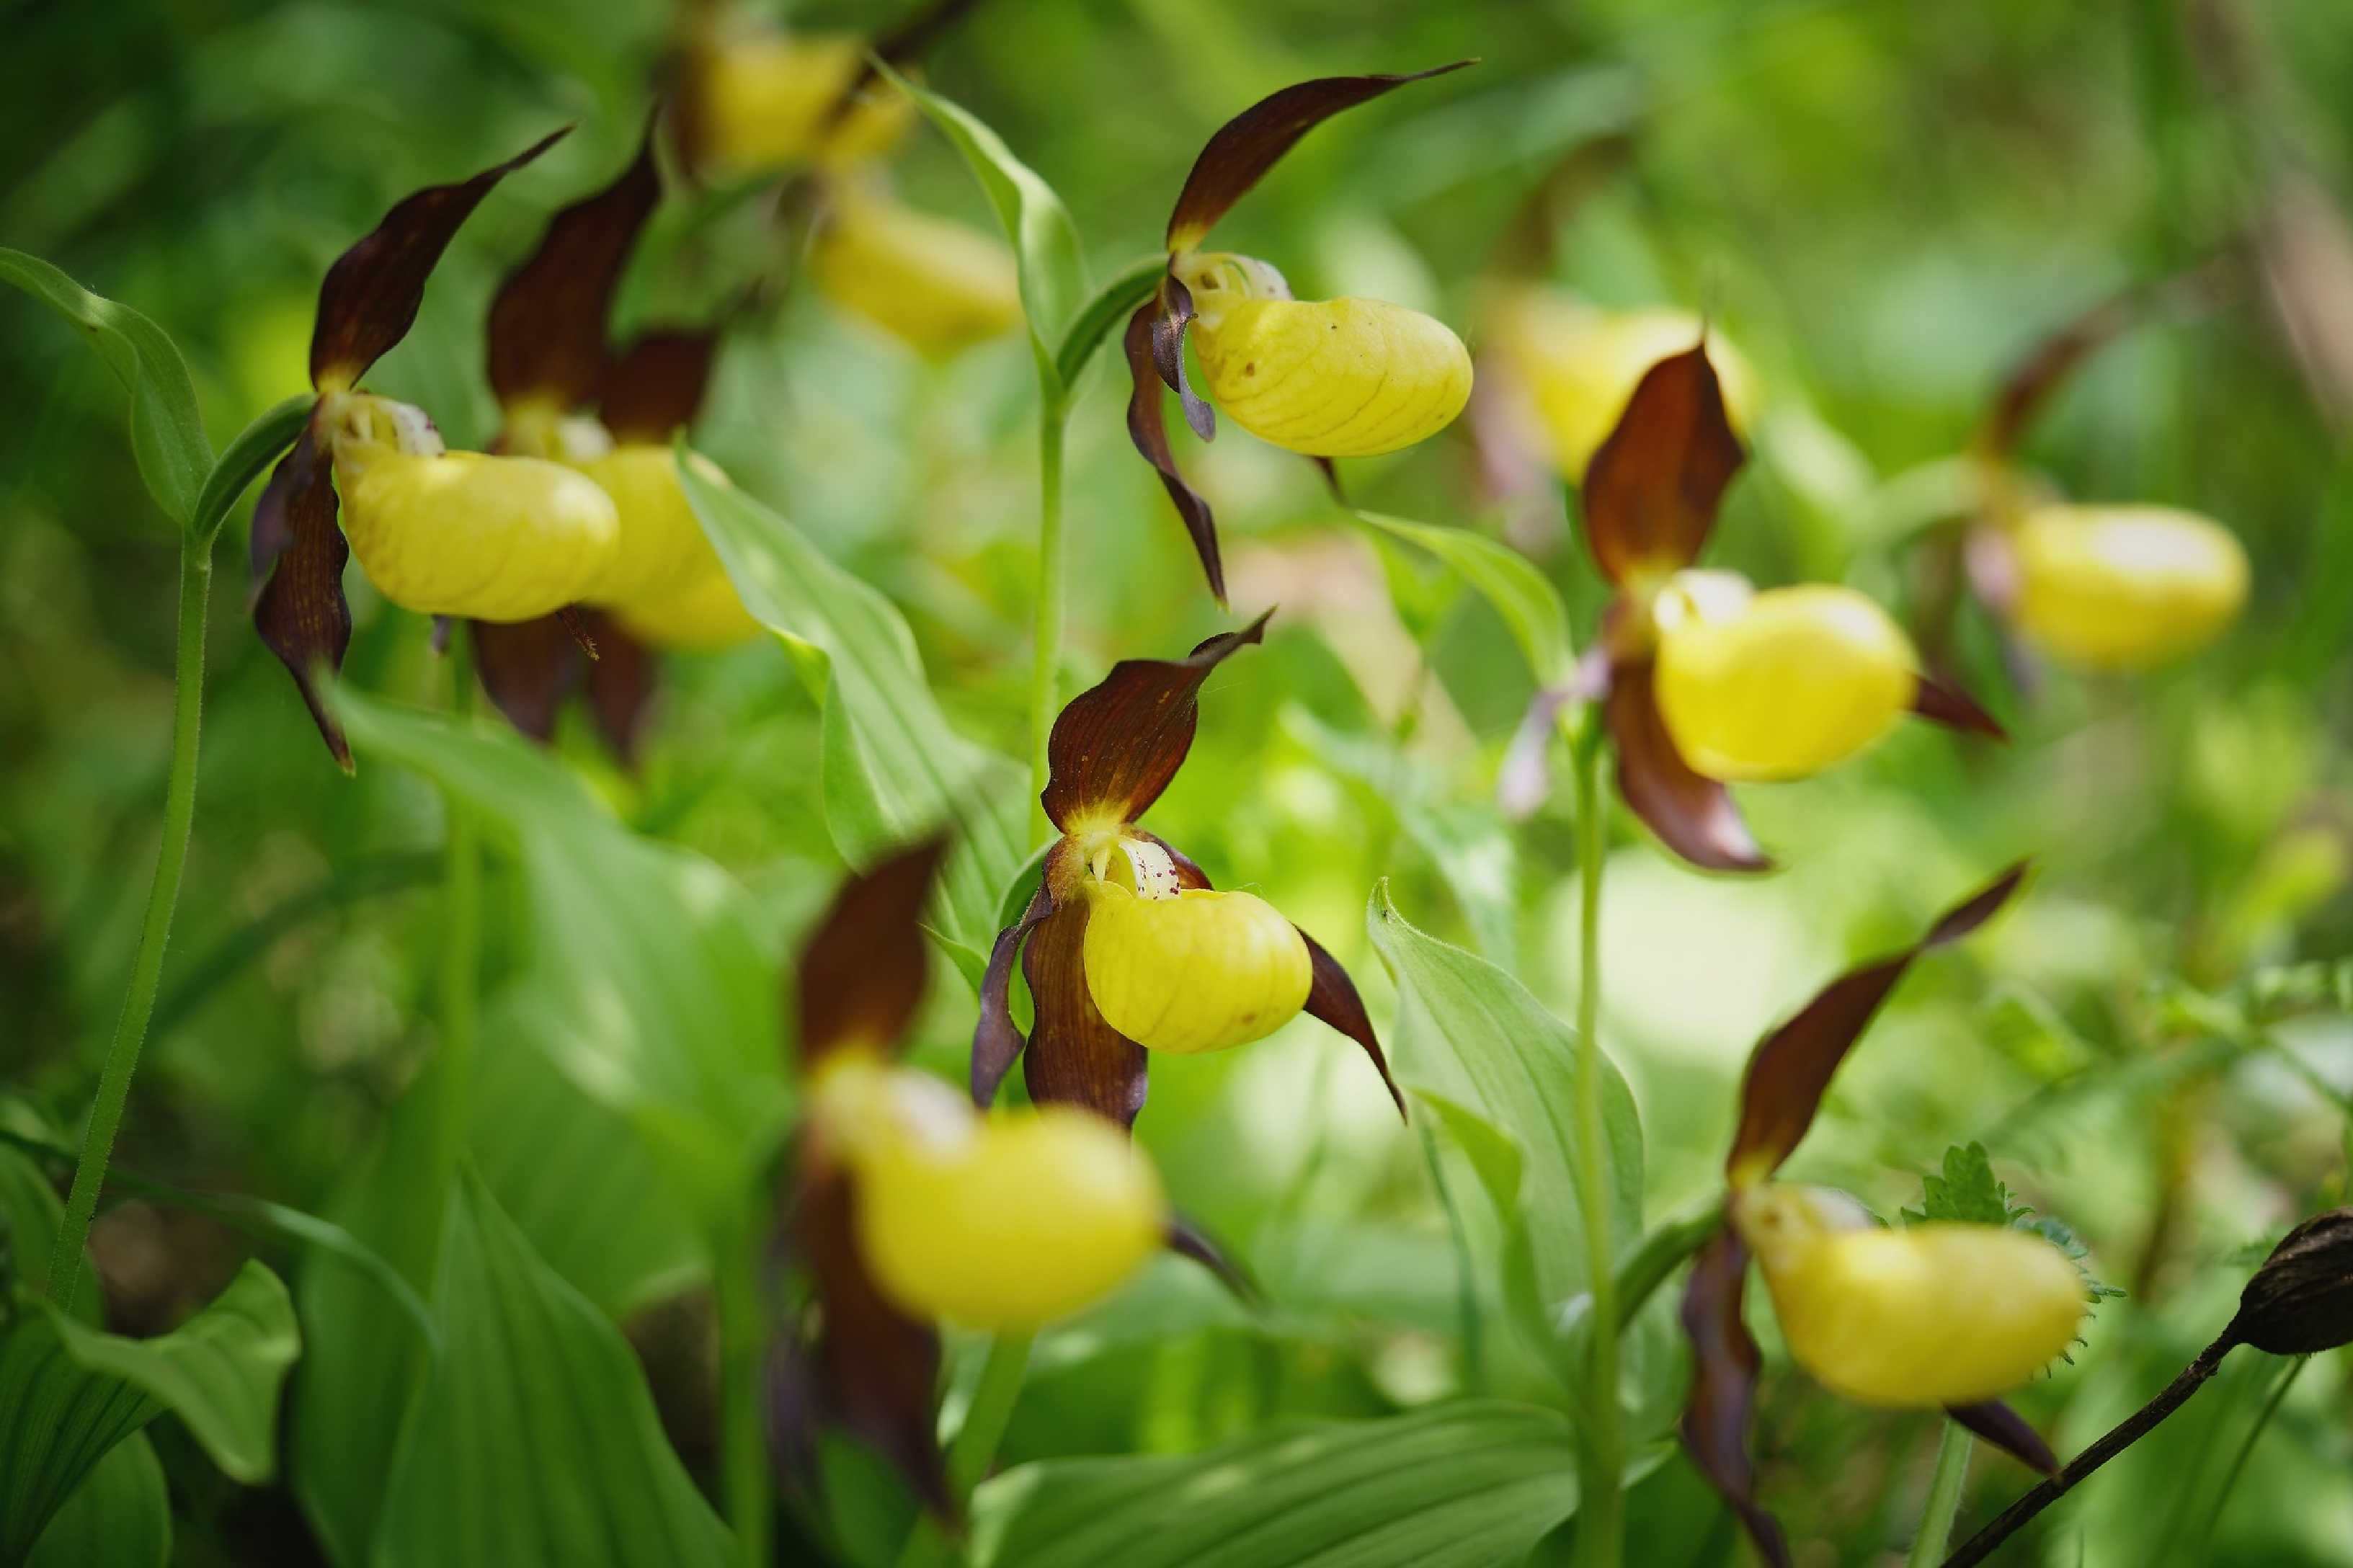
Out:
{"x": 298, "y": 555}
{"x": 1650, "y": 493}
{"x": 1252, "y": 142}
{"x": 547, "y": 320}
{"x": 1946, "y": 704}
{"x": 1724, "y": 1387}
{"x": 1147, "y": 426}
{"x": 1117, "y": 744}
{"x": 654, "y": 388}
{"x": 1332, "y": 998}
{"x": 2005, "y": 1429}
{"x": 1692, "y": 816}
{"x": 371, "y": 295}
{"x": 1074, "y": 1057}
{"x": 862, "y": 975}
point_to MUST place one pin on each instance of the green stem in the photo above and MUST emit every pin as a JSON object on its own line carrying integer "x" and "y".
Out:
{"x": 1045, "y": 688}
{"x": 1601, "y": 1517}
{"x": 163, "y": 898}
{"x": 1466, "y": 1286}
{"x": 1660, "y": 1252}
{"x": 1944, "y": 1498}
{"x": 975, "y": 1448}
{"x": 461, "y": 939}
{"x": 2239, "y": 1461}
{"x": 743, "y": 1452}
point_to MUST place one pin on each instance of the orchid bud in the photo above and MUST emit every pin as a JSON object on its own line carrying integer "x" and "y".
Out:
{"x": 1194, "y": 970}
{"x": 662, "y": 552}
{"x": 936, "y": 285}
{"x": 2300, "y": 1302}
{"x": 1329, "y": 378}
{"x": 1779, "y": 684}
{"x": 2124, "y": 587}
{"x": 1941, "y": 1313}
{"x": 464, "y": 534}
{"x": 768, "y": 101}
{"x": 703, "y": 618}
{"x": 1580, "y": 365}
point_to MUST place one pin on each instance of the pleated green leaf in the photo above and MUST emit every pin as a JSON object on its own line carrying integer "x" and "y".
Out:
{"x": 536, "y": 1438}
{"x": 1531, "y": 606}
{"x": 1473, "y": 1485}
{"x": 119, "y": 1517}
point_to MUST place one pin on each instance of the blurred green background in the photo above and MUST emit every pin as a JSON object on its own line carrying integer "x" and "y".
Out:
{"x": 1885, "y": 204}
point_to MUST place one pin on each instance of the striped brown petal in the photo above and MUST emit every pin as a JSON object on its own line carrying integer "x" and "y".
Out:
{"x": 1074, "y": 1057}
{"x": 371, "y": 295}
{"x": 1147, "y": 426}
{"x": 997, "y": 1040}
{"x": 654, "y": 388}
{"x": 298, "y": 554}
{"x": 547, "y": 320}
{"x": 1725, "y": 1360}
{"x": 1692, "y": 814}
{"x": 1792, "y": 1067}
{"x": 1651, "y": 494}
{"x": 1117, "y": 744}
{"x": 1252, "y": 142}
{"x": 860, "y": 980}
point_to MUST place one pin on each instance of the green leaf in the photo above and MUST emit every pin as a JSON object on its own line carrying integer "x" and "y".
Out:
{"x": 248, "y": 457}
{"x": 1531, "y": 606}
{"x": 1045, "y": 245}
{"x": 119, "y": 1517}
{"x": 1107, "y": 308}
{"x": 893, "y": 769}
{"x": 647, "y": 979}
{"x": 535, "y": 1439}
{"x": 30, "y": 1213}
{"x": 1472, "y": 1485}
{"x": 1470, "y": 1034}
{"x": 75, "y": 1392}
{"x": 167, "y": 434}
{"x": 1968, "y": 1191}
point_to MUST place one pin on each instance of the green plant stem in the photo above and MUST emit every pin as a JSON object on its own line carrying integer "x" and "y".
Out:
{"x": 163, "y": 898}
{"x": 975, "y": 1448}
{"x": 1045, "y": 675}
{"x": 1601, "y": 1515}
{"x": 2204, "y": 1552}
{"x": 743, "y": 1452}
{"x": 1944, "y": 1497}
{"x": 461, "y": 939}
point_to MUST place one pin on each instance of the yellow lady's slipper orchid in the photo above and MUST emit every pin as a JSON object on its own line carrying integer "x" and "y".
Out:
{"x": 663, "y": 552}
{"x": 703, "y": 618}
{"x": 2124, "y": 587}
{"x": 766, "y": 101}
{"x": 1192, "y": 970}
{"x": 936, "y": 285}
{"x": 1331, "y": 378}
{"x": 1935, "y": 1314}
{"x": 1581, "y": 363}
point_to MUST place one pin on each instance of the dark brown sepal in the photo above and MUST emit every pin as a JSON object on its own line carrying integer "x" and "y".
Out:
{"x": 372, "y": 293}
{"x": 997, "y": 1040}
{"x": 1726, "y": 1362}
{"x": 859, "y": 978}
{"x": 1168, "y": 329}
{"x": 1189, "y": 1240}
{"x": 654, "y": 388}
{"x": 1942, "y": 703}
{"x": 1651, "y": 494}
{"x": 1332, "y": 998}
{"x": 2300, "y": 1302}
{"x": 1252, "y": 142}
{"x": 547, "y": 320}
{"x": 528, "y": 668}
{"x": 621, "y": 683}
{"x": 298, "y": 554}
{"x": 1791, "y": 1068}
{"x": 1147, "y": 426}
{"x": 2005, "y": 1429}
{"x": 1692, "y": 814}
{"x": 1116, "y": 744}
{"x": 1075, "y": 1058}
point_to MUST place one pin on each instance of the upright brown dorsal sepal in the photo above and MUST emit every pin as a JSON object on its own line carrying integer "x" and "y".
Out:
{"x": 1117, "y": 744}
{"x": 1147, "y": 426}
{"x": 1725, "y": 1363}
{"x": 1252, "y": 142}
{"x": 1692, "y": 814}
{"x": 1651, "y": 494}
{"x": 654, "y": 388}
{"x": 547, "y": 320}
{"x": 1332, "y": 998}
{"x": 860, "y": 980}
{"x": 297, "y": 556}
{"x": 371, "y": 295}
{"x": 1792, "y": 1067}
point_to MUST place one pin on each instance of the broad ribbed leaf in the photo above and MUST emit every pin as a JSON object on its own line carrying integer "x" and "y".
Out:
{"x": 1523, "y": 596}
{"x": 167, "y": 434}
{"x": 1473, "y": 1485}
{"x": 1469, "y": 1034}
{"x": 119, "y": 1517}
{"x": 535, "y": 1439}
{"x": 894, "y": 769}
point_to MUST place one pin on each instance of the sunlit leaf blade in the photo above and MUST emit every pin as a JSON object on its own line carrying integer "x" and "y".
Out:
{"x": 907, "y": 772}
{"x": 1075, "y": 1057}
{"x": 861, "y": 973}
{"x": 1470, "y": 1485}
{"x": 1132, "y": 285}
{"x": 547, "y": 320}
{"x": 256, "y": 446}
{"x": 1650, "y": 493}
{"x": 1527, "y": 600}
{"x": 1469, "y": 1034}
{"x": 654, "y": 387}
{"x": 1147, "y": 427}
{"x": 535, "y": 1439}
{"x": 75, "y": 1392}
{"x": 298, "y": 553}
{"x": 2005, "y": 1429}
{"x": 119, "y": 1517}
{"x": 1724, "y": 1387}
{"x": 167, "y": 434}
{"x": 1252, "y": 142}
{"x": 1692, "y": 816}
{"x": 1045, "y": 245}
{"x": 1942, "y": 703}
{"x": 370, "y": 297}
{"x": 1116, "y": 744}
{"x": 1792, "y": 1067}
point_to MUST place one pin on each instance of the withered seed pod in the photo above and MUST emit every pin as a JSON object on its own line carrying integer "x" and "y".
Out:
{"x": 2300, "y": 1302}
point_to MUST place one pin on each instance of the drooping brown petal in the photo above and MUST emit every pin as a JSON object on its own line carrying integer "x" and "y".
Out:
{"x": 1168, "y": 329}
{"x": 1792, "y": 1067}
{"x": 1692, "y": 816}
{"x": 1332, "y": 998}
{"x": 1147, "y": 426}
{"x": 528, "y": 668}
{"x": 1116, "y": 744}
{"x": 372, "y": 293}
{"x": 1725, "y": 1359}
{"x": 547, "y": 320}
{"x": 1942, "y": 703}
{"x": 1650, "y": 493}
{"x": 996, "y": 1041}
{"x": 621, "y": 683}
{"x": 1074, "y": 1057}
{"x": 2005, "y": 1429}
{"x": 1251, "y": 143}
{"x": 1189, "y": 1240}
{"x": 860, "y": 979}
{"x": 297, "y": 553}
{"x": 654, "y": 388}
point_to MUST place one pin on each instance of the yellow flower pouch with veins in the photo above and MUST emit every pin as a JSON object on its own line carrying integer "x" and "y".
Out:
{"x": 662, "y": 552}
{"x": 2126, "y": 587}
{"x": 1332, "y": 378}
{"x": 1200, "y": 971}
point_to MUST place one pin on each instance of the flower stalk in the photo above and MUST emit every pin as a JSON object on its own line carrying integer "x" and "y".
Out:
{"x": 1602, "y": 1521}
{"x": 1944, "y": 1497}
{"x": 1054, "y": 560}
